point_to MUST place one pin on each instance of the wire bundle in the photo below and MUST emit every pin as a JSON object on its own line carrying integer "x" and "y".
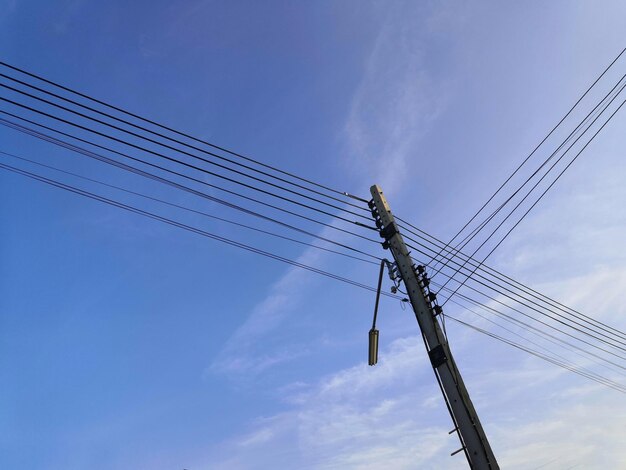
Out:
{"x": 112, "y": 136}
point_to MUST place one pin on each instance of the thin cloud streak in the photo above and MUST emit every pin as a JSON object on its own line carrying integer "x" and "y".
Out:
{"x": 394, "y": 106}
{"x": 358, "y": 418}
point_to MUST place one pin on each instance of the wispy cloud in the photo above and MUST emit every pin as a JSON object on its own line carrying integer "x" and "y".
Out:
{"x": 363, "y": 417}
{"x": 396, "y": 103}
{"x": 355, "y": 418}
{"x": 391, "y": 109}
{"x": 242, "y": 353}
{"x": 251, "y": 350}
{"x": 537, "y": 416}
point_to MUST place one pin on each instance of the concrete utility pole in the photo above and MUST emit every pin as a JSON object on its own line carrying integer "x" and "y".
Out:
{"x": 467, "y": 425}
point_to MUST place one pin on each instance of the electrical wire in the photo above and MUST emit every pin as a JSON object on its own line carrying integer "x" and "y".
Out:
{"x": 169, "y": 147}
{"x": 604, "y": 362}
{"x": 338, "y": 192}
{"x": 531, "y": 304}
{"x": 90, "y": 154}
{"x": 179, "y": 142}
{"x": 562, "y": 343}
{"x": 551, "y": 314}
{"x": 469, "y": 237}
{"x": 61, "y": 107}
{"x": 422, "y": 235}
{"x": 157, "y": 178}
{"x": 528, "y": 326}
{"x": 539, "y": 345}
{"x": 206, "y": 234}
{"x": 189, "y": 228}
{"x": 175, "y": 160}
{"x": 606, "y": 382}
{"x": 187, "y": 209}
{"x": 478, "y": 229}
{"x": 535, "y": 149}
{"x": 182, "y": 134}
{"x": 542, "y": 322}
{"x": 537, "y": 201}
{"x": 456, "y": 249}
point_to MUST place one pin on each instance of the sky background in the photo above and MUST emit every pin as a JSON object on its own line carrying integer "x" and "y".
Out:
{"x": 126, "y": 343}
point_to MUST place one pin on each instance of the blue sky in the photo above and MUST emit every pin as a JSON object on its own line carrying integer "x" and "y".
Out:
{"x": 125, "y": 343}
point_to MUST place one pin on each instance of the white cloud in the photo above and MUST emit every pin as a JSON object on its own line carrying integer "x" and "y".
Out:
{"x": 393, "y": 416}
{"x": 251, "y": 349}
{"x": 396, "y": 99}
{"x": 355, "y": 418}
{"x": 395, "y": 104}
{"x": 536, "y": 415}
{"x": 258, "y": 437}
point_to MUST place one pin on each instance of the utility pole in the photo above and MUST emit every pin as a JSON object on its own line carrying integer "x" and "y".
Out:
{"x": 467, "y": 425}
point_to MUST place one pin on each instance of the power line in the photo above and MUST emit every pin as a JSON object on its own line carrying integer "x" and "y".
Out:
{"x": 539, "y": 199}
{"x": 544, "y": 323}
{"x": 422, "y": 235}
{"x": 195, "y": 192}
{"x": 145, "y": 129}
{"x": 534, "y": 150}
{"x": 374, "y": 257}
{"x": 188, "y": 209}
{"x": 180, "y": 162}
{"x": 547, "y": 312}
{"x": 523, "y": 300}
{"x": 182, "y": 134}
{"x": 338, "y": 192}
{"x": 606, "y": 382}
{"x": 535, "y": 343}
{"x": 539, "y": 345}
{"x": 204, "y": 214}
{"x": 593, "y": 113}
{"x": 195, "y": 211}
{"x": 189, "y": 228}
{"x": 536, "y": 331}
{"x": 90, "y": 154}
{"x": 55, "y": 104}
{"x": 472, "y": 235}
{"x": 192, "y": 229}
{"x": 481, "y": 226}
{"x": 456, "y": 250}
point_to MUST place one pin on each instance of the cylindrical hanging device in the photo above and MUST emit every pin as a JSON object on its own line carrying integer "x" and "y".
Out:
{"x": 373, "y": 351}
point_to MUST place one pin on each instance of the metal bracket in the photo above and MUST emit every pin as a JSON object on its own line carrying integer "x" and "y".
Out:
{"x": 392, "y": 269}
{"x": 437, "y": 356}
{"x": 457, "y": 451}
{"x": 389, "y": 231}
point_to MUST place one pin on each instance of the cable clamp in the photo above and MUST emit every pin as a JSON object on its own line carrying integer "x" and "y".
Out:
{"x": 389, "y": 231}
{"x": 393, "y": 270}
{"x": 437, "y": 356}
